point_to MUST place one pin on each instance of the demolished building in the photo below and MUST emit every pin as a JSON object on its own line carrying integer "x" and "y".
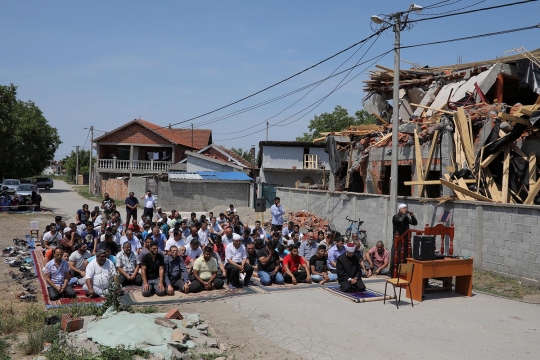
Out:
{"x": 467, "y": 131}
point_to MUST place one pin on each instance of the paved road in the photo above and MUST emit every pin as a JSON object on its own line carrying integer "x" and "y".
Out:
{"x": 64, "y": 201}
{"x": 317, "y": 325}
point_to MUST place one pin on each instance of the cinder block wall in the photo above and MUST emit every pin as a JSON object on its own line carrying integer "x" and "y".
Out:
{"x": 201, "y": 196}
{"x": 502, "y": 238}
{"x": 138, "y": 186}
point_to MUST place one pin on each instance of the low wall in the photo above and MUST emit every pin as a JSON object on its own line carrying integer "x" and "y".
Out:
{"x": 138, "y": 186}
{"x": 202, "y": 195}
{"x": 501, "y": 238}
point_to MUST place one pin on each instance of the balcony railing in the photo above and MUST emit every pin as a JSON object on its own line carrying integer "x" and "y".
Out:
{"x": 133, "y": 166}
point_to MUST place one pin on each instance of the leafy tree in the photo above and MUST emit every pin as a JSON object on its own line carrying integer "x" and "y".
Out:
{"x": 245, "y": 154}
{"x": 336, "y": 121}
{"x": 70, "y": 163}
{"x": 28, "y": 141}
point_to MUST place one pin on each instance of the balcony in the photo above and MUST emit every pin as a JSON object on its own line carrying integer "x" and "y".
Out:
{"x": 135, "y": 166}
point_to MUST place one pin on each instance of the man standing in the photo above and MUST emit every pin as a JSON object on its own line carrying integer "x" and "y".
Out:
{"x": 319, "y": 268}
{"x": 335, "y": 251}
{"x": 128, "y": 266}
{"x": 205, "y": 271}
{"x": 108, "y": 205}
{"x": 131, "y": 207}
{"x": 293, "y": 264}
{"x": 153, "y": 272}
{"x": 99, "y": 274}
{"x": 348, "y": 271}
{"x": 56, "y": 274}
{"x": 277, "y": 215}
{"x": 377, "y": 258}
{"x": 236, "y": 258}
{"x": 402, "y": 220}
{"x": 269, "y": 265}
{"x": 176, "y": 275}
{"x": 78, "y": 260}
{"x": 149, "y": 204}
{"x": 309, "y": 247}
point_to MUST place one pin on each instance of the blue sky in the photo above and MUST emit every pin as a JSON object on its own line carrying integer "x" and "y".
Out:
{"x": 105, "y": 63}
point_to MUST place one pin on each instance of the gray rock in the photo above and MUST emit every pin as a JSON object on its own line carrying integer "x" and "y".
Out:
{"x": 165, "y": 322}
{"x": 202, "y": 327}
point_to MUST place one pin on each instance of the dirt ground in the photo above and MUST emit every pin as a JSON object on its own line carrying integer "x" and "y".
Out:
{"x": 229, "y": 326}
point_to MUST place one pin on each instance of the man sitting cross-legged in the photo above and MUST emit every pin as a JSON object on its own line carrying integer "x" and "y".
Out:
{"x": 128, "y": 265}
{"x": 205, "y": 271}
{"x": 56, "y": 274}
{"x": 377, "y": 259}
{"x": 153, "y": 272}
{"x": 99, "y": 274}
{"x": 295, "y": 268}
{"x": 236, "y": 258}
{"x": 348, "y": 270}
{"x": 318, "y": 267}
{"x": 269, "y": 265}
{"x": 176, "y": 274}
{"x": 78, "y": 260}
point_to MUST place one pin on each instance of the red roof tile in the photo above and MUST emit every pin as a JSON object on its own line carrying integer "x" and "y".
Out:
{"x": 201, "y": 137}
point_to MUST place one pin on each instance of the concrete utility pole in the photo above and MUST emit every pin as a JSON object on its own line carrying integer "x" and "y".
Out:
{"x": 77, "y": 167}
{"x": 267, "y": 131}
{"x": 90, "y": 166}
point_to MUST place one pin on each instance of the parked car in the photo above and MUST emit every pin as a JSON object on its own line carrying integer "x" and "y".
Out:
{"x": 44, "y": 183}
{"x": 12, "y": 185}
{"x": 26, "y": 190}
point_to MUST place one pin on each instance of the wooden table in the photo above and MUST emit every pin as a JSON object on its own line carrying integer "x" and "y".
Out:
{"x": 462, "y": 269}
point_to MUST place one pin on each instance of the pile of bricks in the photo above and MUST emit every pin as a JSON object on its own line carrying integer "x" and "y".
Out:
{"x": 307, "y": 220}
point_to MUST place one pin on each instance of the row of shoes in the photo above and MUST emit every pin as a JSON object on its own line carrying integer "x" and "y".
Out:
{"x": 26, "y": 297}
{"x": 20, "y": 242}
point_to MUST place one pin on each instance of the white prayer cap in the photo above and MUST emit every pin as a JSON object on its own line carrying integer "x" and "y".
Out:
{"x": 350, "y": 247}
{"x": 401, "y": 206}
{"x": 236, "y": 237}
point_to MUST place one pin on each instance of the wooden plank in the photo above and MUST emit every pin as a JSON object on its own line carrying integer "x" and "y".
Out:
{"x": 468, "y": 148}
{"x": 506, "y": 174}
{"x": 532, "y": 194}
{"x": 511, "y": 118}
{"x": 418, "y": 161}
{"x": 518, "y": 151}
{"x": 434, "y": 109}
{"x": 320, "y": 139}
{"x": 462, "y": 184}
{"x": 466, "y": 192}
{"x": 493, "y": 189}
{"x": 348, "y": 167}
{"x": 526, "y": 112}
{"x": 479, "y": 175}
{"x": 484, "y": 164}
{"x": 380, "y": 118}
{"x": 532, "y": 170}
{"x": 434, "y": 182}
{"x": 372, "y": 127}
{"x": 385, "y": 137}
{"x": 460, "y": 196}
{"x": 430, "y": 154}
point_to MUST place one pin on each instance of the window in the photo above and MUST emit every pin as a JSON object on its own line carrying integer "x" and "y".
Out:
{"x": 311, "y": 161}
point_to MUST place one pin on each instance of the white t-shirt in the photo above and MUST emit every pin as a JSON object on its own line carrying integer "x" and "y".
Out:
{"x": 135, "y": 243}
{"x": 193, "y": 253}
{"x": 50, "y": 238}
{"x": 203, "y": 236}
{"x": 172, "y": 242}
{"x": 149, "y": 201}
{"x": 79, "y": 258}
{"x": 100, "y": 274}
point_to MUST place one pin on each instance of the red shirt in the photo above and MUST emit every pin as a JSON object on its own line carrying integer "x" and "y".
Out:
{"x": 220, "y": 250}
{"x": 293, "y": 263}
{"x": 135, "y": 228}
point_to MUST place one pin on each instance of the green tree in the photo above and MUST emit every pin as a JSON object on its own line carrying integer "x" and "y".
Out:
{"x": 28, "y": 141}
{"x": 70, "y": 163}
{"x": 245, "y": 154}
{"x": 336, "y": 121}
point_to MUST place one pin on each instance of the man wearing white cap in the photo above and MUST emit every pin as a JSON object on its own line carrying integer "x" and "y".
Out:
{"x": 236, "y": 258}
{"x": 348, "y": 270}
{"x": 403, "y": 219}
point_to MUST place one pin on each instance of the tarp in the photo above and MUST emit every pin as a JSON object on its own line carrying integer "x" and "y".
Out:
{"x": 529, "y": 75}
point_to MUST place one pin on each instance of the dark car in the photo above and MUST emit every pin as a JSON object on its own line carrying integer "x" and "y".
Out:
{"x": 44, "y": 183}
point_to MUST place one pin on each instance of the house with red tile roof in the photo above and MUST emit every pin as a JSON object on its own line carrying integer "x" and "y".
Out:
{"x": 140, "y": 147}
{"x": 213, "y": 158}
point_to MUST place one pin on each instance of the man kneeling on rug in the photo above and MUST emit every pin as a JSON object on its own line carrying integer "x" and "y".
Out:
{"x": 153, "y": 272}
{"x": 176, "y": 274}
{"x": 349, "y": 271}
{"x": 56, "y": 274}
{"x": 205, "y": 271}
{"x": 98, "y": 275}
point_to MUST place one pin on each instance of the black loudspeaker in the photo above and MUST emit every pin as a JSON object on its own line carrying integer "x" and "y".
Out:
{"x": 424, "y": 247}
{"x": 260, "y": 205}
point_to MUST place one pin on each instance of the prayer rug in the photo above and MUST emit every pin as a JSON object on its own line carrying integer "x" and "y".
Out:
{"x": 136, "y": 298}
{"x": 276, "y": 288}
{"x": 358, "y": 296}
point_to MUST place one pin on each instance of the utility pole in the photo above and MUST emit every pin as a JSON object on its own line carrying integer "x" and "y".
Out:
{"x": 90, "y": 166}
{"x": 192, "y": 148}
{"x": 77, "y": 167}
{"x": 267, "y": 131}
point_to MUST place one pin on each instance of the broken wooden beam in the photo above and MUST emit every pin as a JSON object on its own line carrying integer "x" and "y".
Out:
{"x": 532, "y": 194}
{"x": 433, "y": 182}
{"x": 464, "y": 191}
{"x": 515, "y": 119}
{"x": 434, "y": 109}
{"x": 532, "y": 170}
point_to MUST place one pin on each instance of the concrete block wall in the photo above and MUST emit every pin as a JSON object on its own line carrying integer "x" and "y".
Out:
{"x": 500, "y": 237}
{"x": 201, "y": 195}
{"x": 138, "y": 186}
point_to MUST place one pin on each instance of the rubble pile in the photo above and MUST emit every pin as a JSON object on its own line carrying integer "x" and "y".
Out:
{"x": 307, "y": 220}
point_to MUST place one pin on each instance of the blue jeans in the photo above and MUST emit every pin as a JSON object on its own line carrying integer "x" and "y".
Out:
{"x": 267, "y": 280}
{"x": 318, "y": 278}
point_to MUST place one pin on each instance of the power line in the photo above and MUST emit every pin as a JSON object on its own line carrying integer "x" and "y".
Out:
{"x": 281, "y": 81}
{"x": 473, "y": 37}
{"x": 474, "y": 10}
{"x": 87, "y": 135}
{"x": 451, "y": 11}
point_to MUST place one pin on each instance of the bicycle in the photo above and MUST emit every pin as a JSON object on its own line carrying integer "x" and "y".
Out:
{"x": 362, "y": 236}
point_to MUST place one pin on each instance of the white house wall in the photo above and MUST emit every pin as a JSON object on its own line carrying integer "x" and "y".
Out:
{"x": 288, "y": 179}
{"x": 277, "y": 157}
{"x": 195, "y": 164}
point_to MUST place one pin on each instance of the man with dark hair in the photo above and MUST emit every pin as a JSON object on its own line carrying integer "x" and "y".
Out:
{"x": 78, "y": 260}
{"x": 131, "y": 207}
{"x": 348, "y": 270}
{"x": 159, "y": 238}
{"x": 109, "y": 244}
{"x": 56, "y": 273}
{"x": 176, "y": 275}
{"x": 153, "y": 272}
{"x": 277, "y": 214}
{"x": 377, "y": 260}
{"x": 149, "y": 204}
{"x": 246, "y": 238}
{"x": 82, "y": 215}
{"x": 318, "y": 267}
{"x": 205, "y": 271}
{"x": 260, "y": 230}
{"x": 108, "y": 205}
{"x": 99, "y": 274}
{"x": 194, "y": 234}
{"x": 193, "y": 220}
{"x": 193, "y": 250}
{"x": 295, "y": 268}
{"x": 52, "y": 238}
{"x": 134, "y": 241}
{"x": 289, "y": 229}
{"x": 176, "y": 240}
{"x": 336, "y": 251}
{"x": 252, "y": 258}
{"x": 236, "y": 258}
{"x": 269, "y": 265}
{"x": 128, "y": 266}
{"x": 222, "y": 219}
{"x": 91, "y": 237}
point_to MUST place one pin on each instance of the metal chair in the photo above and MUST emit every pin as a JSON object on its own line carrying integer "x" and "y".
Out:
{"x": 399, "y": 281}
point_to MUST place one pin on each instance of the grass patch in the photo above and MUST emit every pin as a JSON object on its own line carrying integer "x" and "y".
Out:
{"x": 36, "y": 338}
{"x": 207, "y": 356}
{"x": 4, "y": 350}
{"x": 148, "y": 309}
{"x": 67, "y": 179}
{"x": 83, "y": 191}
{"x": 501, "y": 285}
